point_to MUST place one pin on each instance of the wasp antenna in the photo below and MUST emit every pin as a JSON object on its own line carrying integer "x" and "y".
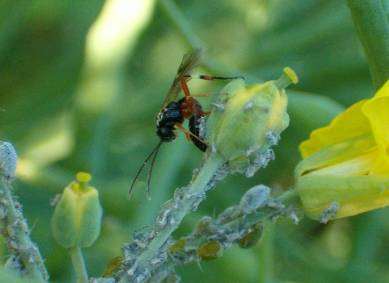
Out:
{"x": 150, "y": 173}
{"x": 143, "y": 166}
{"x": 211, "y": 78}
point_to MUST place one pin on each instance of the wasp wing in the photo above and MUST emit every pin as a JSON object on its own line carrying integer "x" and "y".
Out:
{"x": 189, "y": 61}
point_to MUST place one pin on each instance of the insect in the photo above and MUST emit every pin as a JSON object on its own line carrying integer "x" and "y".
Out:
{"x": 174, "y": 112}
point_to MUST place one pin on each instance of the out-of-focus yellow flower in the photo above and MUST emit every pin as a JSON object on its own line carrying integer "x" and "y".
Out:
{"x": 347, "y": 162}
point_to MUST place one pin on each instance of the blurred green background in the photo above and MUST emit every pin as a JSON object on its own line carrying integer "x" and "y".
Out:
{"x": 81, "y": 82}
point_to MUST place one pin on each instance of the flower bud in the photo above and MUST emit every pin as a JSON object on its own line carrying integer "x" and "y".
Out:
{"x": 248, "y": 120}
{"x": 77, "y": 216}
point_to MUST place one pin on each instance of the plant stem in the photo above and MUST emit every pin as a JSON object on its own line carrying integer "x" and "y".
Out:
{"x": 372, "y": 25}
{"x": 178, "y": 19}
{"x": 266, "y": 255}
{"x": 180, "y": 22}
{"x": 79, "y": 264}
{"x": 175, "y": 213}
{"x": 17, "y": 235}
{"x": 289, "y": 195}
{"x": 238, "y": 224}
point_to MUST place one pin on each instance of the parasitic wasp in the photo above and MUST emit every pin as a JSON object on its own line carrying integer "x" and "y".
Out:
{"x": 174, "y": 112}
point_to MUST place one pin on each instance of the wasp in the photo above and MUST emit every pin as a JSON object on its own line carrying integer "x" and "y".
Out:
{"x": 174, "y": 112}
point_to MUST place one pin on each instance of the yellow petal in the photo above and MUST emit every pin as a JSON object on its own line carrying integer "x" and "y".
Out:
{"x": 338, "y": 153}
{"x": 377, "y": 111}
{"x": 348, "y": 125}
{"x": 381, "y": 166}
{"x": 353, "y": 194}
{"x": 384, "y": 90}
{"x": 357, "y": 166}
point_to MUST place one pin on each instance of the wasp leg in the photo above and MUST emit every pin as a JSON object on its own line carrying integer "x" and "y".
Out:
{"x": 188, "y": 134}
{"x": 190, "y": 106}
{"x": 184, "y": 87}
{"x": 185, "y": 131}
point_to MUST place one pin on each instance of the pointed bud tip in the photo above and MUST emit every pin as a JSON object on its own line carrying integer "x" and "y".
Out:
{"x": 288, "y": 77}
{"x": 291, "y": 74}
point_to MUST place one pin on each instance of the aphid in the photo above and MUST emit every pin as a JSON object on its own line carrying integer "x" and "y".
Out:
{"x": 174, "y": 112}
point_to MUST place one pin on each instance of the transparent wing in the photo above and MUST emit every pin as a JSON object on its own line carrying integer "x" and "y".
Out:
{"x": 189, "y": 62}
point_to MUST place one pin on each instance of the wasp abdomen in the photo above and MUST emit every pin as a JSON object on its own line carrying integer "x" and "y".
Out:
{"x": 197, "y": 128}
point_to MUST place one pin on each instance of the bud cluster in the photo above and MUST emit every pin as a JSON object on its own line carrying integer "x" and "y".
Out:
{"x": 247, "y": 121}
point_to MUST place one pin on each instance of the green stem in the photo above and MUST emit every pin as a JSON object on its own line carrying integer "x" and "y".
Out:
{"x": 180, "y": 22}
{"x": 372, "y": 25}
{"x": 266, "y": 255}
{"x": 177, "y": 212}
{"x": 289, "y": 196}
{"x": 237, "y": 223}
{"x": 171, "y": 160}
{"x": 79, "y": 264}
{"x": 17, "y": 235}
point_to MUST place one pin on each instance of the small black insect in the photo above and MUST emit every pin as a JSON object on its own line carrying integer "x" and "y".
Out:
{"x": 174, "y": 113}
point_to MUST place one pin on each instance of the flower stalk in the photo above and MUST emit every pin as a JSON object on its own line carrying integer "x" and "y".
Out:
{"x": 372, "y": 25}
{"x": 169, "y": 218}
{"x": 240, "y": 224}
{"x": 76, "y": 221}
{"x": 25, "y": 257}
{"x": 79, "y": 264}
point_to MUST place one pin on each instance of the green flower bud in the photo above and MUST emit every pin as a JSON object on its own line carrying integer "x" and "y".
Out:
{"x": 248, "y": 120}
{"x": 77, "y": 216}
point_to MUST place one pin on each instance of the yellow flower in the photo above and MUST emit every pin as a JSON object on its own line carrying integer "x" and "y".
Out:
{"x": 347, "y": 162}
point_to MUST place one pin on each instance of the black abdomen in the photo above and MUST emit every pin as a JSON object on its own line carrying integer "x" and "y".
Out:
{"x": 197, "y": 128}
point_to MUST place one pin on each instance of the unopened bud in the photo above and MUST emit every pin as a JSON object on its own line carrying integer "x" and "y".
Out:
{"x": 253, "y": 118}
{"x": 77, "y": 216}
